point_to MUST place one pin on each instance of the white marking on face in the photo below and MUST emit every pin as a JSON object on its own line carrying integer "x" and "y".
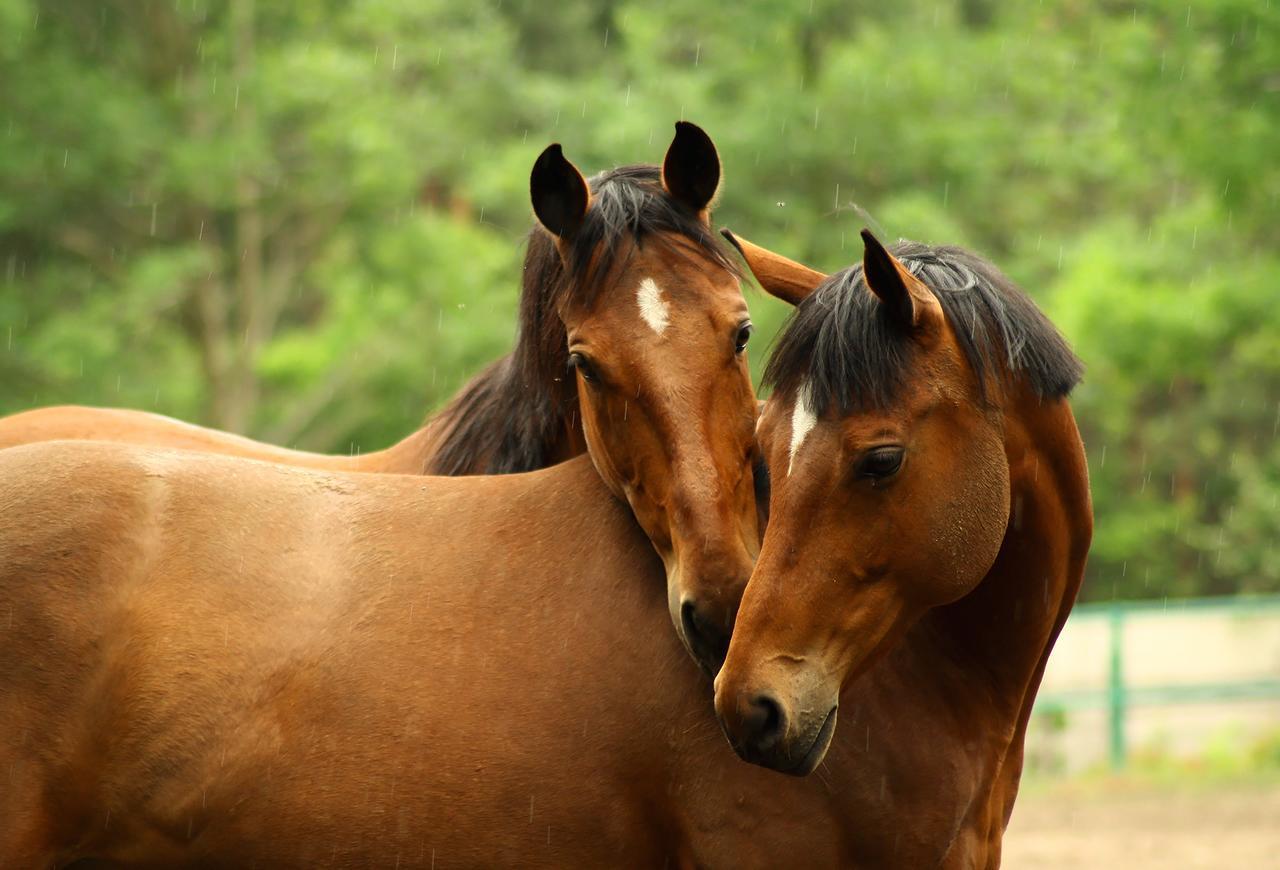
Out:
{"x": 802, "y": 422}
{"x": 653, "y": 308}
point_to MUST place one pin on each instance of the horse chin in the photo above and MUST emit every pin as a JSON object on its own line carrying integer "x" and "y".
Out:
{"x": 784, "y": 762}
{"x": 817, "y": 750}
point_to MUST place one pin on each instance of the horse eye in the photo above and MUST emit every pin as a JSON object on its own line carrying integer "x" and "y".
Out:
{"x": 881, "y": 463}
{"x": 583, "y": 366}
{"x": 743, "y": 336}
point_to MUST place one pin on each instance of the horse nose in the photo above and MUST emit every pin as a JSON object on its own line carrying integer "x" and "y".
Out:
{"x": 708, "y": 642}
{"x": 763, "y": 723}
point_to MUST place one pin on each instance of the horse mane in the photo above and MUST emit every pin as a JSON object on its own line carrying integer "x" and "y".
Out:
{"x": 509, "y": 418}
{"x": 845, "y": 349}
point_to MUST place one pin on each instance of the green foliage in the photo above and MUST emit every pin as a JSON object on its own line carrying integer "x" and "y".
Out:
{"x": 303, "y": 220}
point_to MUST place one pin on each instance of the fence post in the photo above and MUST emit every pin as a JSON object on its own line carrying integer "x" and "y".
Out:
{"x": 1115, "y": 688}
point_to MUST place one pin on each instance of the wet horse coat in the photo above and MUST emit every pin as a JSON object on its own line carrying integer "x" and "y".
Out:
{"x": 215, "y": 662}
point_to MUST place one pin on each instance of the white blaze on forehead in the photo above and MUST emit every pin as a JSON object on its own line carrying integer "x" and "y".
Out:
{"x": 653, "y": 308}
{"x": 802, "y": 421}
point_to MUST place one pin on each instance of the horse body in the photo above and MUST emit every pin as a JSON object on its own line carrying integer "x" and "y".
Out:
{"x": 213, "y": 662}
{"x": 247, "y": 662}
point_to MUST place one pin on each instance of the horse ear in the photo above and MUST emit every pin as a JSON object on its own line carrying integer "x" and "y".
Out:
{"x": 559, "y": 192}
{"x": 905, "y": 297}
{"x": 786, "y": 279}
{"x": 691, "y": 169}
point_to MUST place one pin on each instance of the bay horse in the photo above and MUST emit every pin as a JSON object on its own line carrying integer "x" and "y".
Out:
{"x": 632, "y": 339}
{"x": 930, "y": 520}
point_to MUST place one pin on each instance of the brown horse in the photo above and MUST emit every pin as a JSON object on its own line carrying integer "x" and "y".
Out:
{"x": 929, "y": 527}
{"x": 626, "y": 287}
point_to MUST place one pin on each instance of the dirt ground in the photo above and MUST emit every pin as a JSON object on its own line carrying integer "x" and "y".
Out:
{"x": 1145, "y": 827}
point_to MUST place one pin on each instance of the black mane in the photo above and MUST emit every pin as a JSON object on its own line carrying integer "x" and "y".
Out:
{"x": 511, "y": 417}
{"x": 843, "y": 347}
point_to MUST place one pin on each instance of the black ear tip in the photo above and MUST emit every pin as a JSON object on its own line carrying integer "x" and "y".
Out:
{"x": 874, "y": 245}
{"x": 691, "y": 131}
{"x": 551, "y": 158}
{"x": 730, "y": 238}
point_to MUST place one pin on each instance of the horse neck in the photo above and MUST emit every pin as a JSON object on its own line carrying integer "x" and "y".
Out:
{"x": 1000, "y": 635}
{"x": 1005, "y": 628}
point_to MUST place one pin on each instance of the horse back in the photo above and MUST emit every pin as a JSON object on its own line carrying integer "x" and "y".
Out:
{"x": 146, "y": 429}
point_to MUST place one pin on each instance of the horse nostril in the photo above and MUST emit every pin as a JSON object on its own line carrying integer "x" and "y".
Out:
{"x": 763, "y": 722}
{"x": 689, "y": 619}
{"x": 702, "y": 633}
{"x": 707, "y": 642}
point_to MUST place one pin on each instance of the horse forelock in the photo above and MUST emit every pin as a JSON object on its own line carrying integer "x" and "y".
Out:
{"x": 843, "y": 346}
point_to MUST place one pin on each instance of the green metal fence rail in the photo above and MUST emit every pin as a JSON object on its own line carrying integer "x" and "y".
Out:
{"x": 1118, "y": 696}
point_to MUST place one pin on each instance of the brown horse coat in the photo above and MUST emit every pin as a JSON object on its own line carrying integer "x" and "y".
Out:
{"x": 214, "y": 662}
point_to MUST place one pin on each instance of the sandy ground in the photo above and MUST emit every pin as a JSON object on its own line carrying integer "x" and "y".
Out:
{"x": 1144, "y": 828}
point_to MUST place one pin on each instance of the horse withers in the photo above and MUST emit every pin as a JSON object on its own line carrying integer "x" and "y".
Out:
{"x": 928, "y": 533}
